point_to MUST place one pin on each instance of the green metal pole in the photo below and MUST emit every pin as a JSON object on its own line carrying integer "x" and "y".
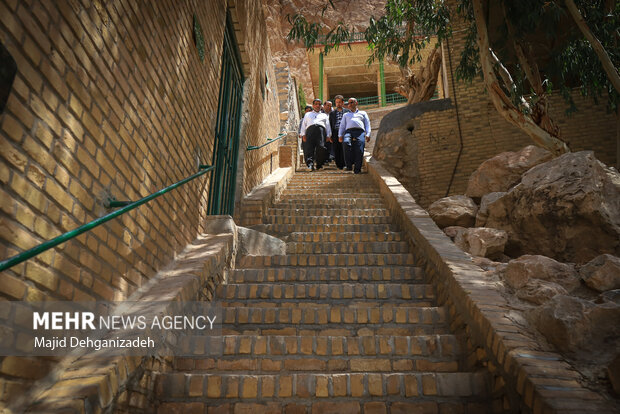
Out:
{"x": 382, "y": 75}
{"x": 23, "y": 256}
{"x": 321, "y": 76}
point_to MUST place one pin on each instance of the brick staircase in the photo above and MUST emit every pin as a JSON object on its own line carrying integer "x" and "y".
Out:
{"x": 344, "y": 323}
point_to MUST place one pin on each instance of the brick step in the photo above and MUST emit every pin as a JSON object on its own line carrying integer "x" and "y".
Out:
{"x": 303, "y": 196}
{"x": 312, "y": 363}
{"x": 333, "y": 176}
{"x": 347, "y": 247}
{"x": 339, "y": 330}
{"x": 346, "y": 237}
{"x": 281, "y": 229}
{"x": 369, "y": 259}
{"x": 348, "y": 390}
{"x": 321, "y": 201}
{"x": 371, "y": 212}
{"x": 437, "y": 347}
{"x": 364, "y": 203}
{"x": 331, "y": 274}
{"x": 329, "y": 195}
{"x": 335, "y": 315}
{"x": 331, "y": 187}
{"x": 277, "y": 292}
{"x": 370, "y": 405}
{"x": 307, "y": 219}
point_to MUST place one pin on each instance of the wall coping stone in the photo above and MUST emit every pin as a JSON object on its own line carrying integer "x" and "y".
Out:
{"x": 538, "y": 377}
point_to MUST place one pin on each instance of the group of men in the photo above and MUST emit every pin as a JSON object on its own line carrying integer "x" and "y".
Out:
{"x": 334, "y": 134}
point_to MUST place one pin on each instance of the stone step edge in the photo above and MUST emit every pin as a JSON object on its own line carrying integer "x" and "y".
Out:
{"x": 344, "y": 316}
{"x": 368, "y": 405}
{"x": 280, "y": 346}
{"x": 317, "y": 385}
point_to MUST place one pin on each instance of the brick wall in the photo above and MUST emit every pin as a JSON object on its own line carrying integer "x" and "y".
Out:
{"x": 112, "y": 99}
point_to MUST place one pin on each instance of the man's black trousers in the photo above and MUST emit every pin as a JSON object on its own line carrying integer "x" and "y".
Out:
{"x": 314, "y": 148}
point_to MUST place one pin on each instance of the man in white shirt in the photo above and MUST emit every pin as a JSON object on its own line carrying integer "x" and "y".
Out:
{"x": 353, "y": 133}
{"x": 314, "y": 130}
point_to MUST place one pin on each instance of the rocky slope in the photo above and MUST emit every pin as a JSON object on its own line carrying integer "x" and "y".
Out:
{"x": 555, "y": 225}
{"x": 354, "y": 13}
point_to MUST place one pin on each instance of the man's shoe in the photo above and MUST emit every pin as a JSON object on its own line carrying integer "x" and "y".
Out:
{"x": 311, "y": 166}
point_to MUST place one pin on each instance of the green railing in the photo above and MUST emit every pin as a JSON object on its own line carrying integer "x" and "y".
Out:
{"x": 361, "y": 36}
{"x": 126, "y": 206}
{"x": 354, "y": 37}
{"x": 269, "y": 141}
{"x": 390, "y": 99}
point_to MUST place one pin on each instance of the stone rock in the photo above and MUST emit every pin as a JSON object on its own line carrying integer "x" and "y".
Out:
{"x": 255, "y": 243}
{"x": 577, "y": 325}
{"x": 520, "y": 271}
{"x": 613, "y": 371}
{"x": 486, "y": 242}
{"x": 460, "y": 240}
{"x": 539, "y": 291}
{"x": 487, "y": 264}
{"x": 503, "y": 171}
{"x": 246, "y": 241}
{"x": 567, "y": 209}
{"x": 483, "y": 211}
{"x": 610, "y": 296}
{"x": 457, "y": 210}
{"x": 453, "y": 231}
{"x": 602, "y": 273}
{"x": 220, "y": 224}
{"x": 481, "y": 241}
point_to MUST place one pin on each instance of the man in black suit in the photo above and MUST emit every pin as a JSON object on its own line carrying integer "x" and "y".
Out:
{"x": 335, "y": 117}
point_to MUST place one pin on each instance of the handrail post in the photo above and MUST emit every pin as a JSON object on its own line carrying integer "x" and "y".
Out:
{"x": 382, "y": 76}
{"x": 321, "y": 76}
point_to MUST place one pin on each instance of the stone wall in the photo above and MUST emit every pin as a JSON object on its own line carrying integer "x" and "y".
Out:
{"x": 112, "y": 99}
{"x": 438, "y": 150}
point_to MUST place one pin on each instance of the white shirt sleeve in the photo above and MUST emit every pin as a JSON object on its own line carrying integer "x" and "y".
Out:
{"x": 305, "y": 124}
{"x": 343, "y": 124}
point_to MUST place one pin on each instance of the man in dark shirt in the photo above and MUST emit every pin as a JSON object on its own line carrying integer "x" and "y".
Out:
{"x": 335, "y": 117}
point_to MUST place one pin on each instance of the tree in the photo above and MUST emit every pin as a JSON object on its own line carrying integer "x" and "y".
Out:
{"x": 420, "y": 87}
{"x": 523, "y": 50}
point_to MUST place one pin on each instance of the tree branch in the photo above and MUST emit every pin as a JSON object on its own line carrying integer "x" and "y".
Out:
{"x": 499, "y": 99}
{"x": 608, "y": 66}
{"x": 527, "y": 63}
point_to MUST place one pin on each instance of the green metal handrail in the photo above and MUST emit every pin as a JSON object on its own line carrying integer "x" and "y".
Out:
{"x": 269, "y": 141}
{"x": 126, "y": 206}
{"x": 390, "y": 98}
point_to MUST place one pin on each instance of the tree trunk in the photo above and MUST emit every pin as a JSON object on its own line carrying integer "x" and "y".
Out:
{"x": 540, "y": 109}
{"x": 418, "y": 88}
{"x": 502, "y": 103}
